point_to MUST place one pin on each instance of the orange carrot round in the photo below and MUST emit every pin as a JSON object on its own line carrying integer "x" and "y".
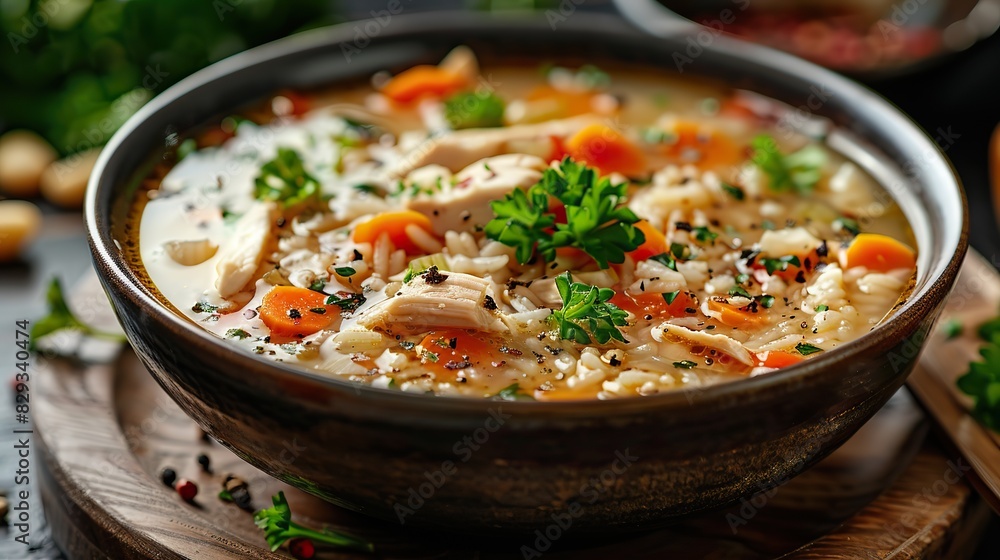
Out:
{"x": 879, "y": 253}
{"x": 607, "y": 149}
{"x": 394, "y": 224}
{"x": 289, "y": 311}
{"x": 422, "y": 81}
{"x": 705, "y": 148}
{"x": 570, "y": 103}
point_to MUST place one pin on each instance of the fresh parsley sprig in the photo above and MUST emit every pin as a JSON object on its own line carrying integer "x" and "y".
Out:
{"x": 278, "y": 527}
{"x": 797, "y": 172}
{"x": 60, "y": 317}
{"x": 284, "y": 179}
{"x": 596, "y": 222}
{"x": 587, "y": 312}
{"x": 982, "y": 381}
{"x": 474, "y": 110}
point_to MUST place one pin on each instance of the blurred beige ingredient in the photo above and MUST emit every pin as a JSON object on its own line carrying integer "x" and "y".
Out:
{"x": 65, "y": 181}
{"x": 23, "y": 158}
{"x": 19, "y": 223}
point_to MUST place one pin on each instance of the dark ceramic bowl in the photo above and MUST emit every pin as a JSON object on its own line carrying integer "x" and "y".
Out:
{"x": 472, "y": 466}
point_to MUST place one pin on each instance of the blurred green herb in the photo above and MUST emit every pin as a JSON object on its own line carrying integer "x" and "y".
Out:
{"x": 60, "y": 317}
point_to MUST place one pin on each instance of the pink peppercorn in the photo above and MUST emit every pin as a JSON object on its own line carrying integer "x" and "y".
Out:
{"x": 186, "y": 489}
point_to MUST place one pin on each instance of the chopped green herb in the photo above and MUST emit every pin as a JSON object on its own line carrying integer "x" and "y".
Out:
{"x": 512, "y": 392}
{"x": 822, "y": 308}
{"x": 685, "y": 364}
{"x": 666, "y": 259}
{"x": 345, "y": 271}
{"x": 982, "y": 381}
{"x": 430, "y": 356}
{"x": 318, "y": 285}
{"x": 797, "y": 172}
{"x": 596, "y": 221}
{"x": 805, "y": 348}
{"x": 284, "y": 179}
{"x": 767, "y": 225}
{"x": 680, "y": 251}
{"x": 278, "y": 527}
{"x": 346, "y": 301}
{"x": 703, "y": 234}
{"x": 186, "y": 148}
{"x": 474, "y": 110}
{"x": 779, "y": 264}
{"x": 410, "y": 273}
{"x": 739, "y": 291}
{"x": 60, "y": 317}
{"x": 366, "y": 188}
{"x": 237, "y": 333}
{"x": 767, "y": 302}
{"x": 848, "y": 225}
{"x": 742, "y": 278}
{"x": 952, "y": 328}
{"x": 202, "y": 307}
{"x": 734, "y": 191}
{"x": 671, "y": 296}
{"x": 586, "y": 312}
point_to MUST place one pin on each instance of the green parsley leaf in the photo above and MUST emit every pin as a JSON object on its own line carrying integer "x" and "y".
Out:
{"x": 982, "y": 383}
{"x": 318, "y": 285}
{"x": 186, "y": 148}
{"x": 822, "y": 308}
{"x": 742, "y": 278}
{"x": 346, "y": 301}
{"x": 666, "y": 259}
{"x": 586, "y": 312}
{"x": 512, "y": 392}
{"x": 474, "y": 110}
{"x": 703, "y": 234}
{"x": 797, "y": 172}
{"x": 60, "y": 317}
{"x": 805, "y": 348}
{"x": 740, "y": 291}
{"x": 596, "y": 221}
{"x": 671, "y": 296}
{"x": 345, "y": 271}
{"x": 989, "y": 330}
{"x": 685, "y": 364}
{"x": 848, "y": 225}
{"x": 952, "y": 328}
{"x": 278, "y": 527}
{"x": 680, "y": 251}
{"x": 284, "y": 179}
{"x": 734, "y": 191}
{"x": 237, "y": 333}
{"x": 779, "y": 264}
{"x": 767, "y": 302}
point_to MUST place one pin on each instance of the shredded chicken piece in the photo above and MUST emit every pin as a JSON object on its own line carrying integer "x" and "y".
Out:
{"x": 674, "y": 333}
{"x": 242, "y": 253}
{"x": 435, "y": 300}
{"x": 464, "y": 203}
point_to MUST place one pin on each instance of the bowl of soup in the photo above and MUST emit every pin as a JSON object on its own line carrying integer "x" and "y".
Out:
{"x": 478, "y": 274}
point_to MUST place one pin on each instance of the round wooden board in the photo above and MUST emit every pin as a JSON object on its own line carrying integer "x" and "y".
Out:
{"x": 107, "y": 430}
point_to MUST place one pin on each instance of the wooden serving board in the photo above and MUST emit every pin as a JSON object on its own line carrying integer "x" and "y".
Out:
{"x": 107, "y": 430}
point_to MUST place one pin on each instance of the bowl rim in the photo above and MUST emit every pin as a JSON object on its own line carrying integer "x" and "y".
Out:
{"x": 110, "y": 263}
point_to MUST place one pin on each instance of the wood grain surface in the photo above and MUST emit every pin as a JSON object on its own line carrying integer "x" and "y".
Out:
{"x": 107, "y": 431}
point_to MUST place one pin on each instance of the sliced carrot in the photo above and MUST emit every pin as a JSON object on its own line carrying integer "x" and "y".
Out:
{"x": 655, "y": 244}
{"x": 880, "y": 253}
{"x": 448, "y": 350}
{"x": 777, "y": 359}
{"x": 734, "y": 316}
{"x": 607, "y": 149}
{"x": 655, "y": 304}
{"x": 422, "y": 81}
{"x": 289, "y": 311}
{"x": 394, "y": 224}
{"x": 568, "y": 103}
{"x": 701, "y": 147}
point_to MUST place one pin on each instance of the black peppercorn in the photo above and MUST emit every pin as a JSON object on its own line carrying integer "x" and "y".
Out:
{"x": 205, "y": 462}
{"x": 168, "y": 476}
